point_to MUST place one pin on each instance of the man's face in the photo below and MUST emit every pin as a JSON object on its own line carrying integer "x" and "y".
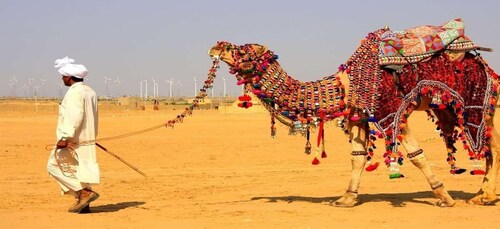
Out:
{"x": 66, "y": 80}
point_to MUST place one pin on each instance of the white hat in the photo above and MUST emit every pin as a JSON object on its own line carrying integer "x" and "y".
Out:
{"x": 67, "y": 68}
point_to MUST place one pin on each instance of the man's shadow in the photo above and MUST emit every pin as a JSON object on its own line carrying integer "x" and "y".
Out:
{"x": 115, "y": 207}
{"x": 395, "y": 199}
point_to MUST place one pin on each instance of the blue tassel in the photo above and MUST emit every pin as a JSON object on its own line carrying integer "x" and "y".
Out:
{"x": 400, "y": 161}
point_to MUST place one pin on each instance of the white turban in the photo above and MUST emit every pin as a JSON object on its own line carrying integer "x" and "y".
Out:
{"x": 67, "y": 68}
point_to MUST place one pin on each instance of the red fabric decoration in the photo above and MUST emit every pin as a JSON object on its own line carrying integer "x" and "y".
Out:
{"x": 245, "y": 101}
{"x": 315, "y": 161}
{"x": 240, "y": 82}
{"x": 372, "y": 167}
{"x": 477, "y": 172}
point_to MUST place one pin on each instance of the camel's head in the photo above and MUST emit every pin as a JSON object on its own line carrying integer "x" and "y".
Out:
{"x": 244, "y": 58}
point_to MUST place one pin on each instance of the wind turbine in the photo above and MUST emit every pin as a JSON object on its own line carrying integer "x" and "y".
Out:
{"x": 30, "y": 86}
{"x": 224, "y": 95}
{"x": 25, "y": 90}
{"x": 12, "y": 85}
{"x": 106, "y": 82}
{"x": 43, "y": 86}
{"x": 179, "y": 85}
{"x": 170, "y": 82}
{"x": 145, "y": 89}
{"x": 155, "y": 89}
{"x": 36, "y": 97}
{"x": 140, "y": 83}
{"x": 117, "y": 85}
{"x": 195, "y": 86}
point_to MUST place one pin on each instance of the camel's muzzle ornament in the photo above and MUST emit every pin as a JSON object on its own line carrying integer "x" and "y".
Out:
{"x": 391, "y": 74}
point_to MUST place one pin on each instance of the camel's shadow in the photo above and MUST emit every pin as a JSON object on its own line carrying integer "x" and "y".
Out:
{"x": 395, "y": 199}
{"x": 115, "y": 207}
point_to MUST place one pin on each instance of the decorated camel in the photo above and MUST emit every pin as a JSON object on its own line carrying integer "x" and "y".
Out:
{"x": 391, "y": 74}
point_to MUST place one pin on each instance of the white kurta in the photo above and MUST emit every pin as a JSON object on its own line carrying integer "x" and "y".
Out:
{"x": 78, "y": 120}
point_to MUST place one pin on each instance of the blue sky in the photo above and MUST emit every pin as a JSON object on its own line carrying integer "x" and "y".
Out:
{"x": 144, "y": 40}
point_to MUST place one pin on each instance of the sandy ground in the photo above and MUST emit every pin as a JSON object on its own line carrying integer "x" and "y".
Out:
{"x": 223, "y": 170}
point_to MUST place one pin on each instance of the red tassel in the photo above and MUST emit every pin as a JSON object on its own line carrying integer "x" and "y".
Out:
{"x": 424, "y": 91}
{"x": 315, "y": 161}
{"x": 372, "y": 167}
{"x": 323, "y": 154}
{"x": 477, "y": 172}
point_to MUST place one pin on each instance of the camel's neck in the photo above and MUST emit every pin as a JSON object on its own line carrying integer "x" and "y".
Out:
{"x": 296, "y": 100}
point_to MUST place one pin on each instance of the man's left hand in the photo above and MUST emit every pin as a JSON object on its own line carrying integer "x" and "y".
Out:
{"x": 62, "y": 144}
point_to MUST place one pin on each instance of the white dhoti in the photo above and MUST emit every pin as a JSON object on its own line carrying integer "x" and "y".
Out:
{"x": 63, "y": 166}
{"x": 71, "y": 172}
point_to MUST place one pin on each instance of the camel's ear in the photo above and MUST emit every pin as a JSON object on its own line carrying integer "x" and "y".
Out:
{"x": 260, "y": 49}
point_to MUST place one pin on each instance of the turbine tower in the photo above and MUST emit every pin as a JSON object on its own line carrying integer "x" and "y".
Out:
{"x": 170, "y": 82}
{"x": 140, "y": 84}
{"x": 224, "y": 95}
{"x": 195, "y": 86}
{"x": 106, "y": 82}
{"x": 12, "y": 85}
{"x": 117, "y": 85}
{"x": 30, "y": 86}
{"x": 154, "y": 88}
{"x": 146, "y": 89}
{"x": 179, "y": 85}
{"x": 44, "y": 81}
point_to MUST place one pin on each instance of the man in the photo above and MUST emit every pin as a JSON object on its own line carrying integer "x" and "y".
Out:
{"x": 73, "y": 163}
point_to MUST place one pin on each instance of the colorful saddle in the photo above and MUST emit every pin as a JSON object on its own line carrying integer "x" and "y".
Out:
{"x": 418, "y": 43}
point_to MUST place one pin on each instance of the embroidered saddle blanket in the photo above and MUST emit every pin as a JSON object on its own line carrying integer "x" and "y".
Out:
{"x": 416, "y": 44}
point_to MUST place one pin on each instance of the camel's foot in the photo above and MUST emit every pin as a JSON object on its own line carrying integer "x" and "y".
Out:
{"x": 482, "y": 199}
{"x": 348, "y": 200}
{"x": 444, "y": 197}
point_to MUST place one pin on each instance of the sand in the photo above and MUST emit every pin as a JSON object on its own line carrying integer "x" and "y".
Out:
{"x": 223, "y": 170}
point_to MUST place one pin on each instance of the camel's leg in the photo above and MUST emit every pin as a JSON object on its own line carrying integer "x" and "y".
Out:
{"x": 417, "y": 157}
{"x": 358, "y": 137}
{"x": 448, "y": 120}
{"x": 487, "y": 192}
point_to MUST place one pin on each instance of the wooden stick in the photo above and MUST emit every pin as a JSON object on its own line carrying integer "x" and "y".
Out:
{"x": 120, "y": 159}
{"x": 485, "y": 49}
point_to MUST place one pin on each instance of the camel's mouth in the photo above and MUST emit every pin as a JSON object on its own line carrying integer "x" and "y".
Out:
{"x": 213, "y": 56}
{"x": 215, "y": 53}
